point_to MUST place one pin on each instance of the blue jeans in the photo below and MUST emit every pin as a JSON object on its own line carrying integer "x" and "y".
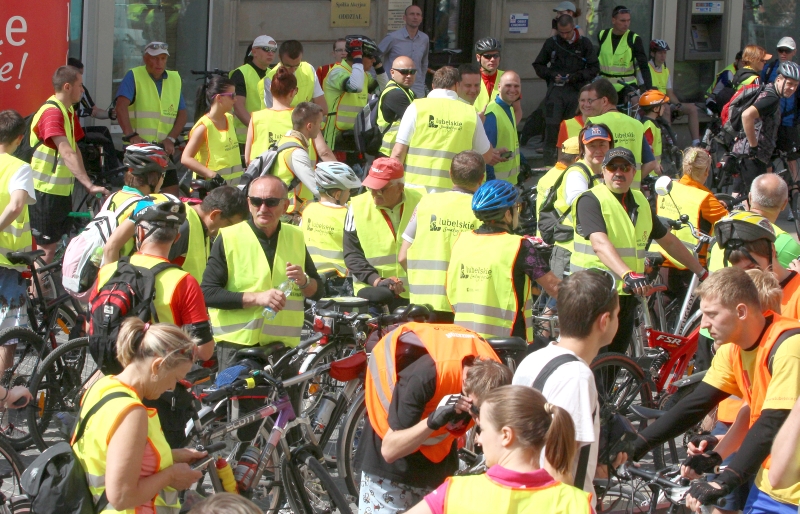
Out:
{"x": 760, "y": 502}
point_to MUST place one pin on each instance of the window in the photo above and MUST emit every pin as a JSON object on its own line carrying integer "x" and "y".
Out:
{"x": 764, "y": 22}
{"x": 75, "y": 28}
{"x": 182, "y": 24}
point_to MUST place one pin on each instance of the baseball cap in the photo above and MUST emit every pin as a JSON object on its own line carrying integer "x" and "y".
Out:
{"x": 565, "y": 6}
{"x": 622, "y": 153}
{"x": 156, "y": 48}
{"x": 596, "y": 132}
{"x": 264, "y": 41}
{"x": 382, "y": 171}
{"x": 787, "y": 42}
{"x": 571, "y": 146}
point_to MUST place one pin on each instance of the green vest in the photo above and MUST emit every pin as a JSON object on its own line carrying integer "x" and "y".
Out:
{"x": 660, "y": 79}
{"x": 299, "y": 195}
{"x": 480, "y": 287}
{"x": 657, "y": 143}
{"x": 562, "y": 206}
{"x": 731, "y": 68}
{"x": 379, "y": 241}
{"x": 16, "y": 237}
{"x": 682, "y": 200}
{"x": 619, "y": 64}
{"x": 749, "y": 80}
{"x": 628, "y": 133}
{"x": 630, "y": 241}
{"x": 323, "y": 230}
{"x": 574, "y": 126}
{"x": 390, "y": 135}
{"x": 545, "y": 184}
{"x": 152, "y": 116}
{"x": 343, "y": 104}
{"x": 483, "y": 96}
{"x": 253, "y": 100}
{"x": 305, "y": 75}
{"x": 243, "y": 251}
{"x": 220, "y": 152}
{"x": 444, "y": 128}
{"x": 507, "y": 137}
{"x": 441, "y": 217}
{"x": 716, "y": 254}
{"x": 50, "y": 174}
{"x": 199, "y": 246}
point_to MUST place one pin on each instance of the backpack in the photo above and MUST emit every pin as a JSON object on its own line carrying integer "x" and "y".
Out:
{"x": 24, "y": 151}
{"x": 368, "y": 134}
{"x": 131, "y": 291}
{"x": 731, "y": 116}
{"x": 264, "y": 165}
{"x": 549, "y": 219}
{"x": 56, "y": 482}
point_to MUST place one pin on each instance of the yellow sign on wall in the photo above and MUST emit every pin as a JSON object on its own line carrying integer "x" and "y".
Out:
{"x": 350, "y": 13}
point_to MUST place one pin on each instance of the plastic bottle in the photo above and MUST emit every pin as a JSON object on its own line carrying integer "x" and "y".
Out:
{"x": 226, "y": 475}
{"x": 324, "y": 411}
{"x": 246, "y": 468}
{"x": 285, "y": 288}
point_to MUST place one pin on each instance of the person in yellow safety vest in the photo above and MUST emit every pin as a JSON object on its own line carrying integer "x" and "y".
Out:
{"x": 290, "y": 54}
{"x": 651, "y": 105}
{"x": 720, "y": 92}
{"x": 621, "y": 53}
{"x": 567, "y": 155}
{"x": 236, "y": 298}
{"x": 222, "y": 207}
{"x": 500, "y": 124}
{"x": 373, "y": 228}
{"x": 757, "y": 363}
{"x": 348, "y": 86}
{"x": 489, "y": 276}
{"x": 753, "y": 60}
{"x": 469, "y": 87}
{"x": 513, "y": 451}
{"x": 426, "y": 249}
{"x": 437, "y": 128}
{"x": 56, "y": 162}
{"x": 212, "y": 151}
{"x": 339, "y": 53}
{"x": 122, "y": 430}
{"x": 571, "y": 127}
{"x": 628, "y": 132}
{"x": 487, "y": 55}
{"x": 613, "y": 224}
{"x": 662, "y": 81}
{"x": 150, "y": 105}
{"x": 323, "y": 221}
{"x": 246, "y": 79}
{"x": 395, "y": 99}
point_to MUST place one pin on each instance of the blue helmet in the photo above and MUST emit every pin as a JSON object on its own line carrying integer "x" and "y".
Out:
{"x": 493, "y": 199}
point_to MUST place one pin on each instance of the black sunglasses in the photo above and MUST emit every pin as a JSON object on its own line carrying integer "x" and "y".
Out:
{"x": 609, "y": 293}
{"x": 269, "y": 202}
{"x": 785, "y": 50}
{"x": 405, "y": 71}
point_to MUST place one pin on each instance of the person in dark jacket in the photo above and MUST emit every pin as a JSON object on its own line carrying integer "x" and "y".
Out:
{"x": 567, "y": 62}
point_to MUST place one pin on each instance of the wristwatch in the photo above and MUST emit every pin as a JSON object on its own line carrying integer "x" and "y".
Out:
{"x": 308, "y": 282}
{"x": 127, "y": 138}
{"x": 174, "y": 141}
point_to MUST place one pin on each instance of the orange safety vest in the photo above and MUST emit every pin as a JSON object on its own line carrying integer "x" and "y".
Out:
{"x": 447, "y": 345}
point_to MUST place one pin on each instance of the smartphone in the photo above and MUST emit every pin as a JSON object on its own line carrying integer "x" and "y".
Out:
{"x": 203, "y": 462}
{"x": 507, "y": 155}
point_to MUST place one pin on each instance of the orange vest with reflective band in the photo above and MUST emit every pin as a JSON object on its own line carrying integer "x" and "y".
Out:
{"x": 447, "y": 345}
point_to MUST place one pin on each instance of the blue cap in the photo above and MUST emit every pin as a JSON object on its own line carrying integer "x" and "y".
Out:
{"x": 596, "y": 132}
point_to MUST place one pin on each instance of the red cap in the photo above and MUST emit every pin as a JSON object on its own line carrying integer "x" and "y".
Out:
{"x": 382, "y": 171}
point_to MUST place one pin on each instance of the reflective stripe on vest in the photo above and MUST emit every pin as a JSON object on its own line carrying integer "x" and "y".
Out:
{"x": 16, "y": 237}
{"x": 484, "y": 98}
{"x": 199, "y": 246}
{"x": 617, "y": 64}
{"x": 444, "y": 128}
{"x": 323, "y": 231}
{"x": 507, "y": 137}
{"x": 749, "y": 80}
{"x": 252, "y": 101}
{"x": 447, "y": 345}
{"x": 660, "y": 79}
{"x": 300, "y": 195}
{"x": 243, "y": 252}
{"x": 50, "y": 173}
{"x": 628, "y": 133}
{"x": 682, "y": 200}
{"x": 346, "y": 105}
{"x": 441, "y": 217}
{"x": 628, "y": 240}
{"x": 379, "y": 242}
{"x": 92, "y": 449}
{"x": 561, "y": 204}
{"x": 729, "y": 68}
{"x": 574, "y": 126}
{"x": 220, "y": 151}
{"x": 480, "y": 286}
{"x": 478, "y": 494}
{"x": 305, "y": 76}
{"x": 152, "y": 116}
{"x": 390, "y": 135}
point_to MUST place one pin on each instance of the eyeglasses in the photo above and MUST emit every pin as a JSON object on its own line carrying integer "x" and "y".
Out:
{"x": 272, "y": 49}
{"x": 609, "y": 293}
{"x": 619, "y": 167}
{"x": 591, "y": 100}
{"x": 157, "y": 46}
{"x": 382, "y": 190}
{"x": 231, "y": 95}
{"x": 785, "y": 50}
{"x": 269, "y": 202}
{"x": 405, "y": 71}
{"x": 491, "y": 56}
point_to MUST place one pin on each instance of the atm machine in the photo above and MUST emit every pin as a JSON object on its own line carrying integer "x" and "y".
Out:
{"x": 700, "y": 36}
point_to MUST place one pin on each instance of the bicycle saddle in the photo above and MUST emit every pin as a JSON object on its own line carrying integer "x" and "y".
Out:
{"x": 377, "y": 295}
{"x": 260, "y": 353}
{"x": 507, "y": 344}
{"x": 26, "y": 258}
{"x": 645, "y": 413}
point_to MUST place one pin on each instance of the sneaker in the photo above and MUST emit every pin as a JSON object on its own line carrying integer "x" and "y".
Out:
{"x": 790, "y": 216}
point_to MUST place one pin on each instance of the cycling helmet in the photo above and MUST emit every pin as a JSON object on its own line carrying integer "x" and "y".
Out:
{"x": 790, "y": 70}
{"x": 368, "y": 47}
{"x": 493, "y": 199}
{"x": 336, "y": 175}
{"x": 142, "y": 158}
{"x": 742, "y": 227}
{"x": 487, "y": 44}
{"x": 652, "y": 98}
{"x": 658, "y": 44}
{"x": 171, "y": 212}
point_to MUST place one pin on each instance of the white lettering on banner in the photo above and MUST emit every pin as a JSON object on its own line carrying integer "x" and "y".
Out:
{"x": 451, "y": 335}
{"x": 14, "y": 25}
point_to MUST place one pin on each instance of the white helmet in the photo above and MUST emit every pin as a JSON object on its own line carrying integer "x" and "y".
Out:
{"x": 336, "y": 175}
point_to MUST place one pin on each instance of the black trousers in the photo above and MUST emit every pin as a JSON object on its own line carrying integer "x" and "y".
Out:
{"x": 561, "y": 103}
{"x": 749, "y": 169}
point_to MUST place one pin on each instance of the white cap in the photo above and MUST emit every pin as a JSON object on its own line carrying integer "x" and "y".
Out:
{"x": 565, "y": 6}
{"x": 787, "y": 42}
{"x": 264, "y": 41}
{"x": 156, "y": 48}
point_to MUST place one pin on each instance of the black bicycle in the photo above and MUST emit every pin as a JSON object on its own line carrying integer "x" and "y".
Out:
{"x": 780, "y": 165}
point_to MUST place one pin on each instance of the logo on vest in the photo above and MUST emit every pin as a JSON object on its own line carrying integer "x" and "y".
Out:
{"x": 434, "y": 227}
{"x": 477, "y": 272}
{"x": 231, "y": 144}
{"x": 170, "y": 111}
{"x": 448, "y": 225}
{"x": 319, "y": 226}
{"x": 441, "y": 123}
{"x": 273, "y": 137}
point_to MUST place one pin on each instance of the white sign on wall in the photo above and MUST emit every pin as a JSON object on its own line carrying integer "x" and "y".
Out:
{"x": 518, "y": 23}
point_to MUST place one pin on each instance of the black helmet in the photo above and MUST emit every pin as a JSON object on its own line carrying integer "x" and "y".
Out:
{"x": 487, "y": 44}
{"x": 142, "y": 158}
{"x": 368, "y": 46}
{"x": 167, "y": 213}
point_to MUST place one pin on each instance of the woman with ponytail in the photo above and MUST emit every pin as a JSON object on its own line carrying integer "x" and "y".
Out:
{"x": 516, "y": 425}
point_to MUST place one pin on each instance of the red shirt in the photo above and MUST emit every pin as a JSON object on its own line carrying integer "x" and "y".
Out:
{"x": 488, "y": 81}
{"x": 323, "y": 70}
{"x": 562, "y": 131}
{"x": 51, "y": 124}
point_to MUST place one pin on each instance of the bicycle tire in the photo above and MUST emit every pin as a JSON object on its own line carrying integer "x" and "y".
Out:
{"x": 349, "y": 438}
{"x": 794, "y": 191}
{"x": 318, "y": 494}
{"x": 58, "y": 387}
{"x": 630, "y": 384}
{"x": 11, "y": 467}
{"x": 28, "y": 353}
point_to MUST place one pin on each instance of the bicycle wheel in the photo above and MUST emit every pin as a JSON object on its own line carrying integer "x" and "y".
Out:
{"x": 349, "y": 437}
{"x": 11, "y": 468}
{"x": 794, "y": 205}
{"x": 57, "y": 389}
{"x": 309, "y": 487}
{"x": 24, "y": 348}
{"x": 621, "y": 382}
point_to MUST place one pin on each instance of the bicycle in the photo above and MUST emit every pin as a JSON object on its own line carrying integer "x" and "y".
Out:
{"x": 780, "y": 165}
{"x": 12, "y": 497}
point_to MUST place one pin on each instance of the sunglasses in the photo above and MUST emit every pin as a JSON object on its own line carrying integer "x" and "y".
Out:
{"x": 157, "y": 46}
{"x": 269, "y": 202}
{"x": 619, "y": 167}
{"x": 785, "y": 50}
{"x": 272, "y": 49}
{"x": 230, "y": 95}
{"x": 609, "y": 293}
{"x": 491, "y": 56}
{"x": 404, "y": 71}
{"x": 620, "y": 11}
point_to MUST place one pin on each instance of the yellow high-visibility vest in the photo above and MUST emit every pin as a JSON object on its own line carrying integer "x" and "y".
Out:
{"x": 151, "y": 115}
{"x": 220, "y": 150}
{"x": 617, "y": 64}
{"x": 50, "y": 173}
{"x": 628, "y": 133}
{"x": 390, "y": 135}
{"x": 507, "y": 137}
{"x": 16, "y": 237}
{"x": 199, "y": 246}
{"x": 305, "y": 76}
{"x": 269, "y": 126}
{"x": 484, "y": 97}
{"x": 323, "y": 230}
{"x": 252, "y": 101}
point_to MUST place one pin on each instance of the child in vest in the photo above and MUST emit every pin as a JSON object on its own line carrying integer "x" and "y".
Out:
{"x": 651, "y": 103}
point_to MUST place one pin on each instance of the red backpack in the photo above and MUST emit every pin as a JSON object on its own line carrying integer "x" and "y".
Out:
{"x": 731, "y": 115}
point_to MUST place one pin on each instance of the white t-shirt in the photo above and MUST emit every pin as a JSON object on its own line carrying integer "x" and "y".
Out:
{"x": 22, "y": 179}
{"x": 268, "y": 94}
{"x": 571, "y": 387}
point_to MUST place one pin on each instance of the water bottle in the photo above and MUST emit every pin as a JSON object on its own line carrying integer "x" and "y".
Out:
{"x": 324, "y": 411}
{"x": 245, "y": 471}
{"x": 89, "y": 273}
{"x": 226, "y": 475}
{"x": 285, "y": 288}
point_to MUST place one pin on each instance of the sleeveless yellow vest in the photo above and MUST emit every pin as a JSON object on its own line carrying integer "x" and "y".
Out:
{"x": 323, "y": 230}
{"x": 619, "y": 64}
{"x": 152, "y": 116}
{"x": 220, "y": 151}
{"x": 731, "y": 68}
{"x": 346, "y": 106}
{"x": 506, "y": 138}
{"x": 305, "y": 76}
{"x": 657, "y": 143}
{"x": 116, "y": 200}
{"x": 253, "y": 100}
{"x": 683, "y": 200}
{"x": 627, "y": 133}
{"x": 269, "y": 126}
{"x": 562, "y": 206}
{"x": 300, "y": 195}
{"x": 390, "y": 135}
{"x": 574, "y": 126}
{"x": 50, "y": 174}
{"x": 484, "y": 97}
{"x": 199, "y": 246}
{"x": 660, "y": 79}
{"x": 16, "y": 237}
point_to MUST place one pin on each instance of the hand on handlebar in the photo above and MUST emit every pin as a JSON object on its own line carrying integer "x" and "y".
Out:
{"x": 704, "y": 493}
{"x": 168, "y": 145}
{"x": 394, "y": 284}
{"x": 636, "y": 283}
{"x": 701, "y": 444}
{"x": 98, "y": 190}
{"x": 700, "y": 464}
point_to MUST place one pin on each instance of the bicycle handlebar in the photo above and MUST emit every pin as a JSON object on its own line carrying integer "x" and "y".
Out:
{"x": 679, "y": 224}
{"x": 675, "y": 492}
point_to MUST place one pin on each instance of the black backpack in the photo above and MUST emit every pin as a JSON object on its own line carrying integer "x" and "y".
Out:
{"x": 129, "y": 292}
{"x": 549, "y": 219}
{"x": 24, "y": 151}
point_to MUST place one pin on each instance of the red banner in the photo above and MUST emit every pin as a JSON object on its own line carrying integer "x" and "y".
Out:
{"x": 34, "y": 42}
